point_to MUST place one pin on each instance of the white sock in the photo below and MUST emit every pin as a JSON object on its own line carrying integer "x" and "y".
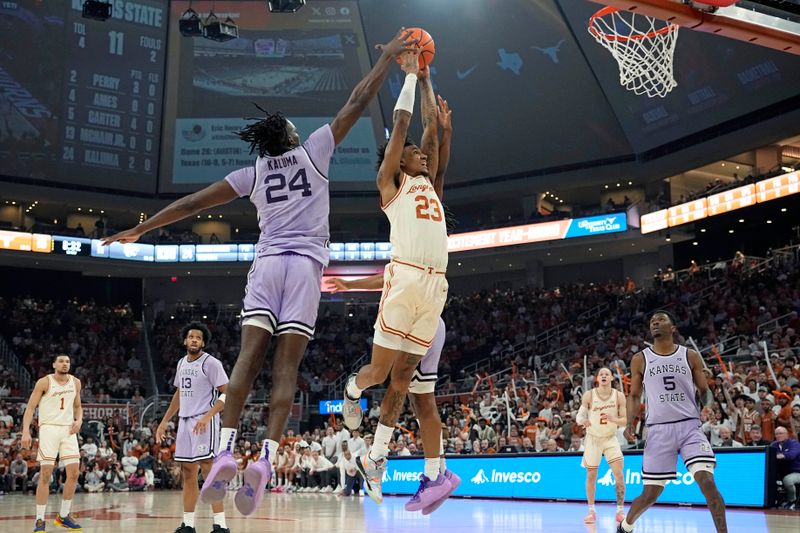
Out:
{"x": 219, "y": 519}
{"x": 380, "y": 446}
{"x": 626, "y": 526}
{"x": 227, "y": 439}
{"x": 591, "y": 508}
{"x": 188, "y": 519}
{"x": 352, "y": 389}
{"x": 269, "y": 449}
{"x": 66, "y": 505}
{"x": 40, "y": 509}
{"x": 620, "y": 508}
{"x": 443, "y": 467}
{"x": 432, "y": 466}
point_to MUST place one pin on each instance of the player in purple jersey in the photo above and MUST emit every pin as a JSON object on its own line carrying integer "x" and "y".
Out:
{"x": 288, "y": 186}
{"x": 200, "y": 383}
{"x": 670, "y": 374}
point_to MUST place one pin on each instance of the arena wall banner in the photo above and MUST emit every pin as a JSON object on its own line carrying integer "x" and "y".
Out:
{"x": 740, "y": 475}
{"x": 101, "y": 411}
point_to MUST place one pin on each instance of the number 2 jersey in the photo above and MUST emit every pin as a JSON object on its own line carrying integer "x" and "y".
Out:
{"x": 418, "y": 231}
{"x": 669, "y": 387}
{"x": 290, "y": 194}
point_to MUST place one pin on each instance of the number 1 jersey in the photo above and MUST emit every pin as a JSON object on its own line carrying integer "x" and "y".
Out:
{"x": 290, "y": 193}
{"x": 418, "y": 231}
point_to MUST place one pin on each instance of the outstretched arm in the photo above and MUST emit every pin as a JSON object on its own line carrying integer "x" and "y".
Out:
{"x": 430, "y": 122}
{"x": 369, "y": 283}
{"x": 368, "y": 87}
{"x": 215, "y": 194}
{"x": 444, "y": 113}
{"x": 390, "y": 166}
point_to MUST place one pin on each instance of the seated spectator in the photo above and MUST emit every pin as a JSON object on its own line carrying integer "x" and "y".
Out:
{"x": 352, "y": 477}
{"x": 137, "y": 481}
{"x": 726, "y": 438}
{"x": 94, "y": 480}
{"x": 325, "y": 473}
{"x": 19, "y": 473}
{"x": 756, "y": 438}
{"x": 788, "y": 465}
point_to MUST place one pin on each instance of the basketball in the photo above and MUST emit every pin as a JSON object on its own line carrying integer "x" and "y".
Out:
{"x": 425, "y": 42}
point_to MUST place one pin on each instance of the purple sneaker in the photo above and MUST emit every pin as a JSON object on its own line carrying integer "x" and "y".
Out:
{"x": 455, "y": 481}
{"x": 429, "y": 492}
{"x": 222, "y": 471}
{"x": 254, "y": 480}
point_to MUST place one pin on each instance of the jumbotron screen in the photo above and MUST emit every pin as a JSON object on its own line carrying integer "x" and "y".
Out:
{"x": 304, "y": 64}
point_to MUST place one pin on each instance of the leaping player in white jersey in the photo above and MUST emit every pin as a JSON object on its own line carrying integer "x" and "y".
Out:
{"x": 414, "y": 289}
{"x": 200, "y": 386}
{"x": 602, "y": 411}
{"x": 58, "y": 397}
{"x": 423, "y": 383}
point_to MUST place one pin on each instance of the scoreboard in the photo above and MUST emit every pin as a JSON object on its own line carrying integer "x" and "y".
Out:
{"x": 113, "y": 83}
{"x": 97, "y": 87}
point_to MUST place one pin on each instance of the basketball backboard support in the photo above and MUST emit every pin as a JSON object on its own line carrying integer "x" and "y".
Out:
{"x": 749, "y": 21}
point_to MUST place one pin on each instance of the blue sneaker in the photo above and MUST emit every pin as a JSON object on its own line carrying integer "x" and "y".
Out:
{"x": 40, "y": 525}
{"x": 67, "y": 523}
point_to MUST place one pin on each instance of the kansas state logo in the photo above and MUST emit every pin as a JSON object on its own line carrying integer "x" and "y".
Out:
{"x": 480, "y": 478}
{"x": 202, "y": 449}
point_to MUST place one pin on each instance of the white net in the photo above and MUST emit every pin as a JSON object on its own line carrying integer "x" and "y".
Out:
{"x": 643, "y": 47}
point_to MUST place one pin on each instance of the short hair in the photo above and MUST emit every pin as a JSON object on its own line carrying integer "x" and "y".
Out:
{"x": 382, "y": 150}
{"x": 56, "y": 356}
{"x": 269, "y": 136}
{"x": 198, "y": 326}
{"x": 666, "y": 313}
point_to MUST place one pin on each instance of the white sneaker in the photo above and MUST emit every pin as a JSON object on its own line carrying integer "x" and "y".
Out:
{"x": 327, "y": 490}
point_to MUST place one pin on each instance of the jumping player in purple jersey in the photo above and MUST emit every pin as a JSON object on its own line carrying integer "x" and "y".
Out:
{"x": 670, "y": 374}
{"x": 289, "y": 187}
{"x": 200, "y": 383}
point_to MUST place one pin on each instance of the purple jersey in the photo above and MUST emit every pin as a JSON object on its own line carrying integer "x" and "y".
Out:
{"x": 290, "y": 193}
{"x": 669, "y": 387}
{"x": 198, "y": 382}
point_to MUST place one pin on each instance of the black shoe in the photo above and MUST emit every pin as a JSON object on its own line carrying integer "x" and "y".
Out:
{"x": 185, "y": 529}
{"x": 620, "y": 530}
{"x": 220, "y": 529}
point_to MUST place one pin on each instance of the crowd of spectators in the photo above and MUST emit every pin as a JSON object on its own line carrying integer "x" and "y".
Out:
{"x": 101, "y": 342}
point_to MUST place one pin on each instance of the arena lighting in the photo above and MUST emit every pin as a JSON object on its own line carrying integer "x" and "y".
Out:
{"x": 96, "y": 10}
{"x": 190, "y": 24}
{"x": 285, "y": 6}
{"x": 219, "y": 31}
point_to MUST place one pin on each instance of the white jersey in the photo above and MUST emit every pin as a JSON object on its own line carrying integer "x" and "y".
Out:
{"x": 602, "y": 427}
{"x": 418, "y": 230}
{"x": 55, "y": 407}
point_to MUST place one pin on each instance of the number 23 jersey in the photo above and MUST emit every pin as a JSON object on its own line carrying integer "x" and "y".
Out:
{"x": 291, "y": 196}
{"x": 418, "y": 230}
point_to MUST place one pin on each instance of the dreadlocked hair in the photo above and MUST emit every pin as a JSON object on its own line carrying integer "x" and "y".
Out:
{"x": 268, "y": 136}
{"x": 382, "y": 150}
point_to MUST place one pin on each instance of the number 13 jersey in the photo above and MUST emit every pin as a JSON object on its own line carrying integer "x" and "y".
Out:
{"x": 418, "y": 231}
{"x": 291, "y": 196}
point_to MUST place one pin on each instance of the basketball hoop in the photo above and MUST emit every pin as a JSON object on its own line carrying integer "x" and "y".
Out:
{"x": 643, "y": 47}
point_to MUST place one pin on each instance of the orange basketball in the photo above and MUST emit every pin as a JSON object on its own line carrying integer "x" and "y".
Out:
{"x": 425, "y": 42}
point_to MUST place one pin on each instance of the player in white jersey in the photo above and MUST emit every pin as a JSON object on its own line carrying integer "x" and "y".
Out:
{"x": 602, "y": 411}
{"x": 415, "y": 288}
{"x": 201, "y": 383}
{"x": 58, "y": 397}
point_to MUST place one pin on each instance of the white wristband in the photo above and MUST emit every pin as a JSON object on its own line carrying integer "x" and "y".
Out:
{"x": 221, "y": 398}
{"x": 405, "y": 101}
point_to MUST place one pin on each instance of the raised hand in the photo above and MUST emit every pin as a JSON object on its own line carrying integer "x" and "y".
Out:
{"x": 400, "y": 44}
{"x": 443, "y": 113}
{"x": 410, "y": 61}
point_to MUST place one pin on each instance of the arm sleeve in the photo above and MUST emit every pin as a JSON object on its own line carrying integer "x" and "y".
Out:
{"x": 320, "y": 146}
{"x": 792, "y": 451}
{"x": 242, "y": 180}
{"x": 177, "y": 381}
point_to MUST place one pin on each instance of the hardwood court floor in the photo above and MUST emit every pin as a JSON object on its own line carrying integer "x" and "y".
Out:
{"x": 161, "y": 512}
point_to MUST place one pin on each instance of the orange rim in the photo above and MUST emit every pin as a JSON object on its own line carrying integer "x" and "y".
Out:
{"x": 608, "y": 10}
